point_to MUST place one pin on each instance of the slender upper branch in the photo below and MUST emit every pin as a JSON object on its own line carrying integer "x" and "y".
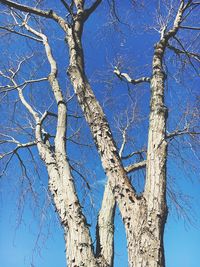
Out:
{"x": 9, "y": 87}
{"x": 66, "y": 6}
{"x": 177, "y": 22}
{"x": 42, "y": 13}
{"x": 25, "y": 103}
{"x": 30, "y": 109}
{"x": 190, "y": 28}
{"x": 129, "y": 120}
{"x": 20, "y": 33}
{"x": 81, "y": 175}
{"x": 46, "y": 114}
{"x": 187, "y": 54}
{"x": 19, "y": 145}
{"x": 91, "y": 9}
{"x": 36, "y": 11}
{"x": 178, "y": 51}
{"x": 185, "y": 131}
{"x": 139, "y": 152}
{"x": 128, "y": 79}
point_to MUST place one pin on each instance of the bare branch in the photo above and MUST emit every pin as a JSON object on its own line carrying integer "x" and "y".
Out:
{"x": 195, "y": 3}
{"x": 187, "y": 53}
{"x": 192, "y": 6}
{"x": 42, "y": 13}
{"x": 123, "y": 130}
{"x": 140, "y": 211}
{"x": 185, "y": 131}
{"x": 128, "y": 79}
{"x": 113, "y": 10}
{"x": 91, "y": 9}
{"x": 139, "y": 152}
{"x": 20, "y": 145}
{"x": 136, "y": 166}
{"x": 67, "y": 7}
{"x": 46, "y": 114}
{"x": 123, "y": 142}
{"x": 70, "y": 16}
{"x": 20, "y": 33}
{"x": 6, "y": 165}
{"x": 20, "y": 92}
{"x": 179, "y": 42}
{"x": 47, "y": 14}
{"x": 7, "y": 88}
{"x": 61, "y": 124}
{"x": 78, "y": 143}
{"x": 24, "y": 102}
{"x": 190, "y": 28}
{"x": 82, "y": 176}
{"x": 167, "y": 35}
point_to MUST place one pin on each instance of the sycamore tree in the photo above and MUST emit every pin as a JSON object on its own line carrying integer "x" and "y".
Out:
{"x": 133, "y": 99}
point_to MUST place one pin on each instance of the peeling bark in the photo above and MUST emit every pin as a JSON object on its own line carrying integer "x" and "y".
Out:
{"x": 144, "y": 235}
{"x": 143, "y": 216}
{"x": 79, "y": 248}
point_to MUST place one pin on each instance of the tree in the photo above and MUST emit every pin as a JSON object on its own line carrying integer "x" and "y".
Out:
{"x": 143, "y": 214}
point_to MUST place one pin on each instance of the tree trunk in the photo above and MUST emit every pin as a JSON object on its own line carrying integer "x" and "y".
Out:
{"x": 79, "y": 250}
{"x": 142, "y": 217}
{"x": 105, "y": 227}
{"x": 145, "y": 244}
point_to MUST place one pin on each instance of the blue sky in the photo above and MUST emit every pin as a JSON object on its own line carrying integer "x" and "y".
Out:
{"x": 17, "y": 245}
{"x": 105, "y": 45}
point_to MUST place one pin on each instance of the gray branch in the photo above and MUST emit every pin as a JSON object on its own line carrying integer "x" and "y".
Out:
{"x": 20, "y": 33}
{"x": 91, "y": 9}
{"x": 42, "y": 13}
{"x": 19, "y": 145}
{"x": 187, "y": 53}
{"x": 181, "y": 132}
{"x": 190, "y": 28}
{"x": 139, "y": 152}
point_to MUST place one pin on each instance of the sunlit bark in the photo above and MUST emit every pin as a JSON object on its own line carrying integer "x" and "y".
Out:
{"x": 143, "y": 215}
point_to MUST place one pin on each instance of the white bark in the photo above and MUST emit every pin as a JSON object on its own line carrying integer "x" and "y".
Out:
{"x": 79, "y": 249}
{"x": 105, "y": 227}
{"x": 143, "y": 216}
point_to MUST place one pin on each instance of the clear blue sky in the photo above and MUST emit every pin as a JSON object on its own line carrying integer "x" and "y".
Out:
{"x": 103, "y": 44}
{"x": 17, "y": 245}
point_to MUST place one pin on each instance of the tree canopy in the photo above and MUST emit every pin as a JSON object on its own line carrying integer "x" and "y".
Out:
{"x": 100, "y": 111}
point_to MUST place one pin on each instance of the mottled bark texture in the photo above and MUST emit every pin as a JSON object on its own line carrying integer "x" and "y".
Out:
{"x": 79, "y": 249}
{"x": 144, "y": 216}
